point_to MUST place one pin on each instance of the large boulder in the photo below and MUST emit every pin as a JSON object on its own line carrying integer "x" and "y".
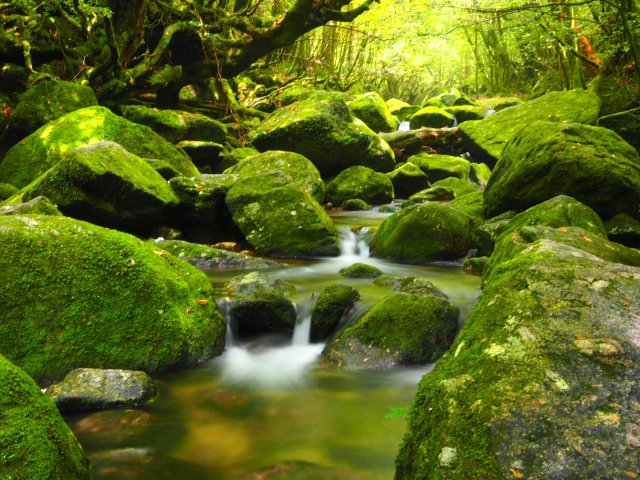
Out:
{"x": 371, "y": 109}
{"x": 321, "y": 128}
{"x": 176, "y": 126}
{"x": 402, "y": 110}
{"x": 424, "y": 233}
{"x": 407, "y": 180}
{"x": 360, "y": 182}
{"x": 78, "y": 295}
{"x": 626, "y": 124}
{"x": 36, "y": 443}
{"x": 303, "y": 173}
{"x": 278, "y": 219}
{"x": 439, "y": 167}
{"x": 446, "y": 189}
{"x": 45, "y": 101}
{"x": 464, "y": 113}
{"x": 544, "y": 372}
{"x": 106, "y": 185}
{"x": 44, "y": 148}
{"x": 485, "y": 139}
{"x": 332, "y": 304}
{"x": 432, "y": 117}
{"x": 592, "y": 164}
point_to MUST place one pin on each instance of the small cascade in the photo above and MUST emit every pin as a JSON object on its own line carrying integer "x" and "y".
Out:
{"x": 224, "y": 306}
{"x": 455, "y": 121}
{"x": 352, "y": 245}
{"x": 489, "y": 112}
{"x": 404, "y": 127}
{"x": 302, "y": 328}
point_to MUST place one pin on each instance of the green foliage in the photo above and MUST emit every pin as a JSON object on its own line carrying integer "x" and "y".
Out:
{"x": 398, "y": 412}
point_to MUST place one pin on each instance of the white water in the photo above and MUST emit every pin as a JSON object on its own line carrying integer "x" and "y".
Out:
{"x": 302, "y": 328}
{"x": 404, "y": 126}
{"x": 352, "y": 245}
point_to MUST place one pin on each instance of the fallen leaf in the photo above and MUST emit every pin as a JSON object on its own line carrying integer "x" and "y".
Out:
{"x": 202, "y": 302}
{"x": 187, "y": 310}
{"x": 562, "y": 229}
{"x": 626, "y": 304}
{"x": 516, "y": 474}
{"x": 631, "y": 474}
{"x": 365, "y": 359}
{"x": 159, "y": 252}
{"x": 200, "y": 187}
{"x": 337, "y": 340}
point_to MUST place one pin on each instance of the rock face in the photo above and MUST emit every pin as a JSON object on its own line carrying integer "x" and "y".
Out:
{"x": 360, "y": 182}
{"x": 78, "y": 295}
{"x": 544, "y": 372}
{"x": 439, "y": 167}
{"x": 592, "y": 164}
{"x": 424, "y": 233}
{"x": 400, "y": 329}
{"x": 280, "y": 220}
{"x": 44, "y": 148}
{"x": 371, "y": 109}
{"x": 626, "y": 124}
{"x": 36, "y": 443}
{"x": 485, "y": 139}
{"x": 333, "y": 302}
{"x": 320, "y": 124}
{"x": 106, "y": 185}
{"x": 87, "y": 388}
{"x": 433, "y": 117}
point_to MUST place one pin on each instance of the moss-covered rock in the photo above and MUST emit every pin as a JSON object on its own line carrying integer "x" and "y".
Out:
{"x": 258, "y": 303}
{"x": 475, "y": 265}
{"x": 333, "y": 302}
{"x": 45, "y": 101}
{"x": 433, "y": 117}
{"x": 464, "y": 100}
{"x": 165, "y": 169}
{"x": 204, "y": 155}
{"x": 439, "y": 167}
{"x": 485, "y": 139}
{"x": 319, "y": 125}
{"x": 36, "y": 443}
{"x": 371, "y": 109}
{"x": 401, "y": 109}
{"x": 433, "y": 194}
{"x": 624, "y": 229}
{"x": 411, "y": 285}
{"x": 542, "y": 379}
{"x": 479, "y": 173}
{"x": 7, "y": 191}
{"x": 56, "y": 140}
{"x": 234, "y": 156}
{"x": 36, "y": 206}
{"x": 176, "y": 126}
{"x": 464, "y": 113}
{"x": 360, "y": 182}
{"x": 355, "y": 204}
{"x": 78, "y": 295}
{"x": 470, "y": 203}
{"x": 303, "y": 173}
{"x": 106, "y": 185}
{"x": 500, "y": 103}
{"x": 592, "y": 164}
{"x": 360, "y": 270}
{"x": 459, "y": 186}
{"x": 626, "y": 124}
{"x": 485, "y": 236}
{"x": 400, "y": 329}
{"x": 88, "y": 388}
{"x": 201, "y": 256}
{"x": 281, "y": 220}
{"x": 424, "y": 233}
{"x": 407, "y": 180}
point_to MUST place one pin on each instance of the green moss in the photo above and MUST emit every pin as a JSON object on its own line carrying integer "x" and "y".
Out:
{"x": 624, "y": 229}
{"x": 233, "y": 157}
{"x": 407, "y": 180}
{"x": 433, "y": 194}
{"x": 439, "y": 167}
{"x": 356, "y": 204}
{"x": 373, "y": 111}
{"x": 6, "y": 191}
{"x": 432, "y": 117}
{"x": 626, "y": 124}
{"x": 412, "y": 285}
{"x": 37, "y": 206}
{"x": 332, "y": 304}
{"x": 475, "y": 266}
{"x": 401, "y": 109}
{"x": 479, "y": 173}
{"x": 465, "y": 113}
{"x": 360, "y": 182}
{"x": 500, "y": 103}
{"x": 360, "y": 270}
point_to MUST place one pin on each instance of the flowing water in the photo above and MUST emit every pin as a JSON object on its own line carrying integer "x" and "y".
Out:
{"x": 269, "y": 407}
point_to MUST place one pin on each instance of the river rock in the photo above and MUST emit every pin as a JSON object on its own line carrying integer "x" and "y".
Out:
{"x": 433, "y": 117}
{"x": 165, "y": 169}
{"x": 88, "y": 388}
{"x": 44, "y": 148}
{"x": 371, "y": 109}
{"x": 234, "y": 156}
{"x": 459, "y": 186}
{"x": 412, "y": 285}
{"x": 278, "y": 219}
{"x": 258, "y": 303}
{"x": 37, "y": 206}
{"x": 360, "y": 270}
{"x": 424, "y": 233}
{"x": 439, "y": 167}
{"x": 401, "y": 329}
{"x": 202, "y": 256}
{"x": 302, "y": 172}
{"x": 433, "y": 194}
{"x": 485, "y": 236}
{"x": 544, "y": 372}
{"x": 475, "y": 265}
{"x": 176, "y": 126}
{"x": 360, "y": 182}
{"x": 407, "y": 180}
{"x": 485, "y": 139}
{"x": 479, "y": 173}
{"x": 592, "y": 164}
{"x": 7, "y": 191}
{"x": 332, "y": 304}
{"x": 624, "y": 229}
{"x": 626, "y": 124}
{"x": 500, "y": 103}
{"x": 355, "y": 204}
{"x": 36, "y": 443}
{"x": 464, "y": 113}
{"x": 402, "y": 110}
{"x": 470, "y": 203}
{"x": 105, "y": 184}
{"x": 321, "y": 124}
{"x": 78, "y": 295}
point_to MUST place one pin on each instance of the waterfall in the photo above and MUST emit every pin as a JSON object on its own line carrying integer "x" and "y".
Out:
{"x": 302, "y": 328}
{"x": 404, "y": 127}
{"x": 224, "y": 305}
{"x": 352, "y": 245}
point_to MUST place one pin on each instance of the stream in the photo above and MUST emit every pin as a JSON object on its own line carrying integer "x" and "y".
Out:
{"x": 269, "y": 407}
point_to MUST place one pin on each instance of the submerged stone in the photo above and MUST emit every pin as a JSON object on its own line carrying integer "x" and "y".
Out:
{"x": 361, "y": 270}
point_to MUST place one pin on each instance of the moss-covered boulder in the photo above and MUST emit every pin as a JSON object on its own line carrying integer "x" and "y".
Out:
{"x": 56, "y": 140}
{"x": 475, "y": 265}
{"x": 464, "y": 113}
{"x": 479, "y": 173}
{"x": 485, "y": 139}
{"x": 332, "y": 304}
{"x": 626, "y": 124}
{"x": 355, "y": 204}
{"x": 624, "y": 229}
{"x": 231, "y": 157}
{"x": 543, "y": 374}
{"x": 45, "y": 101}
{"x": 360, "y": 270}
{"x": 485, "y": 236}
{"x": 401, "y": 329}
{"x": 278, "y": 219}
{"x": 464, "y": 100}
{"x": 412, "y": 285}
{"x": 320, "y": 125}
{"x": 424, "y": 233}
{"x": 7, "y": 191}
{"x": 204, "y": 155}
{"x": 500, "y": 103}
{"x": 202, "y": 256}
{"x": 258, "y": 303}
{"x": 402, "y": 110}
{"x": 303, "y": 173}
{"x": 470, "y": 203}
{"x": 78, "y": 295}
{"x": 407, "y": 180}
{"x": 35, "y": 206}
{"x": 371, "y": 109}
{"x": 433, "y": 194}
{"x": 36, "y": 443}
{"x": 176, "y": 126}
{"x": 439, "y": 167}
{"x": 592, "y": 164}
{"x": 165, "y": 169}
{"x": 104, "y": 184}
{"x": 433, "y": 117}
{"x": 459, "y": 186}
{"x": 360, "y": 182}
{"x": 88, "y": 388}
